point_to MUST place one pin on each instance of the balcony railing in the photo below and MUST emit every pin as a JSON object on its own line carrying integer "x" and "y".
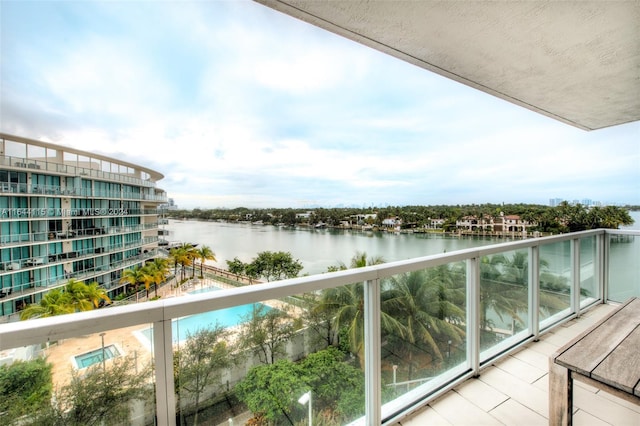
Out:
{"x": 50, "y": 166}
{"x": 482, "y": 304}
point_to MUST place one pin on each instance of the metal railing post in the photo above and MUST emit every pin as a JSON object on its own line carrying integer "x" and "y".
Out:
{"x": 163, "y": 354}
{"x": 534, "y": 291}
{"x": 605, "y": 244}
{"x": 575, "y": 276}
{"x": 372, "y": 353}
{"x": 473, "y": 313}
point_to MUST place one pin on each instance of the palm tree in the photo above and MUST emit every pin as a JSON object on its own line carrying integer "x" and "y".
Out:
{"x": 147, "y": 277}
{"x": 359, "y": 260}
{"x": 205, "y": 253}
{"x": 158, "y": 269}
{"x": 54, "y": 302}
{"x": 96, "y": 294}
{"x": 78, "y": 295}
{"x": 347, "y": 305}
{"x": 182, "y": 256}
{"x": 430, "y": 307}
{"x": 132, "y": 276}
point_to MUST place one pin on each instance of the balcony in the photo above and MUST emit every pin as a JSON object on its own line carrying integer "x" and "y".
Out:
{"x": 499, "y": 311}
{"x": 515, "y": 390}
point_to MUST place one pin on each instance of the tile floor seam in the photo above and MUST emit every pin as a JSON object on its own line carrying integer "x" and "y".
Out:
{"x": 503, "y": 402}
{"x": 534, "y": 412}
{"x": 591, "y": 414}
{"x": 470, "y": 402}
{"x": 481, "y": 408}
{"x": 601, "y": 392}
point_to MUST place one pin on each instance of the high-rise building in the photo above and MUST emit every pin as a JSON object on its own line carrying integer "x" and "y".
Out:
{"x": 67, "y": 213}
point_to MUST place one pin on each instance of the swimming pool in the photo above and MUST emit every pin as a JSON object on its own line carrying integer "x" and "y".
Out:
{"x": 94, "y": 357}
{"x": 228, "y": 317}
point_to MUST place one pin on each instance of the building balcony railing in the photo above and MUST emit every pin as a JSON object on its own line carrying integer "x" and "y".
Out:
{"x": 41, "y": 166}
{"x": 59, "y": 191}
{"x": 420, "y": 326}
{"x": 25, "y": 238}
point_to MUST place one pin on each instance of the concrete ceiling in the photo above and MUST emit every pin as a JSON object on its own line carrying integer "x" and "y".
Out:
{"x": 575, "y": 61}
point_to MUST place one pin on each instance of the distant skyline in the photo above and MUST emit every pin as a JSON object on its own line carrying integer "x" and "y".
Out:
{"x": 239, "y": 105}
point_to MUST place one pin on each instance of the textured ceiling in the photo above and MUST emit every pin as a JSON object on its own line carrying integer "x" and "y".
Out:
{"x": 575, "y": 61}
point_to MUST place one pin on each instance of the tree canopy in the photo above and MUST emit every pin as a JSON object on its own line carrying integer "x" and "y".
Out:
{"x": 268, "y": 265}
{"x": 25, "y": 387}
{"x": 76, "y": 296}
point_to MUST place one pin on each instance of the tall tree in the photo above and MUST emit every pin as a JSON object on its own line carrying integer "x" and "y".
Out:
{"x": 204, "y": 253}
{"x": 158, "y": 269}
{"x": 183, "y": 256}
{"x": 133, "y": 276}
{"x": 76, "y": 296}
{"x": 270, "y": 392}
{"x": 54, "y": 302}
{"x": 147, "y": 277}
{"x": 430, "y": 307}
{"x": 276, "y": 265}
{"x": 96, "y": 295}
{"x": 25, "y": 388}
{"x": 318, "y": 318}
{"x": 347, "y": 304}
{"x": 97, "y": 397}
{"x": 266, "y": 331}
{"x": 199, "y": 362}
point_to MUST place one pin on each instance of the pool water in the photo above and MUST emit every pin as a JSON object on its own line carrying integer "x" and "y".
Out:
{"x": 228, "y": 317}
{"x": 94, "y": 357}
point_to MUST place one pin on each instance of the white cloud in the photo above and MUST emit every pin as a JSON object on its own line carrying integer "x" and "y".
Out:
{"x": 239, "y": 105}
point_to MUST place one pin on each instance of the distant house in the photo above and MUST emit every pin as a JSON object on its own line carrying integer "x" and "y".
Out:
{"x": 392, "y": 222}
{"x": 474, "y": 223}
{"x": 435, "y": 223}
{"x": 305, "y": 215}
{"x": 362, "y": 219}
{"x": 512, "y": 223}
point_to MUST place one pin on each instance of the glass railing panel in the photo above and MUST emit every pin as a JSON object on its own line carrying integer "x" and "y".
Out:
{"x": 555, "y": 282}
{"x": 424, "y": 332}
{"x": 102, "y": 378}
{"x": 624, "y": 267}
{"x": 255, "y": 361}
{"x": 589, "y": 286}
{"x": 504, "y": 306}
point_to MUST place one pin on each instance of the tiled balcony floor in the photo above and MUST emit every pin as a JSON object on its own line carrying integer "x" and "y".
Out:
{"x": 515, "y": 391}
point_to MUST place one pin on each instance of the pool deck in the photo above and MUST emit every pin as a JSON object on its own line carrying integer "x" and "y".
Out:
{"x": 128, "y": 341}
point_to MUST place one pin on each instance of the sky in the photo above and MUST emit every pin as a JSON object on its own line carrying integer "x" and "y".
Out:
{"x": 238, "y": 105}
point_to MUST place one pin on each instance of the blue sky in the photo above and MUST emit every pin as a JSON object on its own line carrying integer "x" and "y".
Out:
{"x": 239, "y": 105}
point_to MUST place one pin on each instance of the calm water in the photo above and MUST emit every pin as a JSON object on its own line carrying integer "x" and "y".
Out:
{"x": 319, "y": 249}
{"x": 316, "y": 249}
{"x": 187, "y": 326}
{"x": 94, "y": 357}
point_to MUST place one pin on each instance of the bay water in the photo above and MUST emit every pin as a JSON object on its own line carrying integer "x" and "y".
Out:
{"x": 317, "y": 249}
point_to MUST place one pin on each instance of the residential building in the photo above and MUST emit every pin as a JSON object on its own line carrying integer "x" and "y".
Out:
{"x": 305, "y": 216}
{"x": 392, "y": 222}
{"x": 436, "y": 223}
{"x": 484, "y": 223}
{"x": 66, "y": 213}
